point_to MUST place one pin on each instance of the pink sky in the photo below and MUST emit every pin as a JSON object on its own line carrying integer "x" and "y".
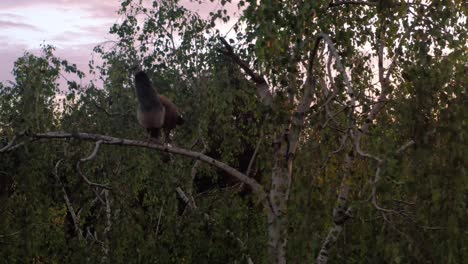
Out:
{"x": 74, "y": 27}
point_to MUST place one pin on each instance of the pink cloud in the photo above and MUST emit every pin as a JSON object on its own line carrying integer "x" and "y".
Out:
{"x": 9, "y": 54}
{"x": 77, "y": 54}
{"x": 11, "y": 16}
{"x": 101, "y": 14}
{"x": 101, "y": 8}
{"x": 9, "y": 24}
{"x": 28, "y": 3}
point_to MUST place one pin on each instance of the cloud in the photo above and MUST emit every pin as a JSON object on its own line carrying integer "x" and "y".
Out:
{"x": 9, "y": 4}
{"x": 73, "y": 26}
{"x": 77, "y": 54}
{"x": 10, "y": 16}
{"x": 102, "y": 9}
{"x": 9, "y": 24}
{"x": 9, "y": 54}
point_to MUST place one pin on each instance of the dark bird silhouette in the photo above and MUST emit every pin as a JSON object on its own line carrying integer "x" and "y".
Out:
{"x": 155, "y": 111}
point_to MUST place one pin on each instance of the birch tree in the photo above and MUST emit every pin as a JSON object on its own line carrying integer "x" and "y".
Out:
{"x": 324, "y": 131}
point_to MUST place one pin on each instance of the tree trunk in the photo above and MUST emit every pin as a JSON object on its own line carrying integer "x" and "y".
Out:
{"x": 278, "y": 198}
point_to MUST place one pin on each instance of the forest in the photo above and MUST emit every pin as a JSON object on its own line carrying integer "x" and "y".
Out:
{"x": 321, "y": 131}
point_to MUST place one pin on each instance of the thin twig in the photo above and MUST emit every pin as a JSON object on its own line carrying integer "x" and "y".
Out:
{"x": 263, "y": 90}
{"x": 159, "y": 219}
{"x": 90, "y": 157}
{"x": 187, "y": 200}
{"x": 9, "y": 146}
{"x": 252, "y": 159}
{"x": 106, "y": 244}
{"x": 362, "y": 3}
{"x": 68, "y": 202}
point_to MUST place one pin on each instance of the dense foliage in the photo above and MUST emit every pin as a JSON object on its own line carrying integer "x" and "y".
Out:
{"x": 404, "y": 176}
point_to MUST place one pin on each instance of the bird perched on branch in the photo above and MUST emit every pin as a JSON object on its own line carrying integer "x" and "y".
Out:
{"x": 155, "y": 111}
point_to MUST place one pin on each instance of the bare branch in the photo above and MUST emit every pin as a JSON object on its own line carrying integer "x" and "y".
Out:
{"x": 159, "y": 219}
{"x": 10, "y": 146}
{"x": 341, "y": 213}
{"x": 105, "y": 110}
{"x": 10, "y": 234}
{"x": 186, "y": 198}
{"x": 5, "y": 148}
{"x": 253, "y": 184}
{"x": 381, "y": 45}
{"x": 252, "y": 159}
{"x": 404, "y": 147}
{"x": 377, "y": 177}
{"x": 341, "y": 69}
{"x": 68, "y": 202}
{"x": 310, "y": 90}
{"x": 106, "y": 245}
{"x": 208, "y": 218}
{"x": 385, "y": 79}
{"x": 374, "y": 190}
{"x": 193, "y": 171}
{"x": 90, "y": 157}
{"x": 94, "y": 153}
{"x": 343, "y": 140}
{"x": 362, "y": 3}
{"x": 262, "y": 87}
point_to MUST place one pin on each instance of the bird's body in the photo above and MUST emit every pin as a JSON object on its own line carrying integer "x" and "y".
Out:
{"x": 155, "y": 111}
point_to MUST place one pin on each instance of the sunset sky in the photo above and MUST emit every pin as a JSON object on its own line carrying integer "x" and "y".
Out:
{"x": 74, "y": 27}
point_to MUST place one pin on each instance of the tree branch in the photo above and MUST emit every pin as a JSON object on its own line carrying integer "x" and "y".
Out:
{"x": 191, "y": 204}
{"x": 252, "y": 159}
{"x": 108, "y": 140}
{"x": 262, "y": 87}
{"x": 68, "y": 202}
{"x": 363, "y": 3}
{"x": 90, "y": 157}
{"x": 310, "y": 90}
{"x": 341, "y": 212}
{"x": 106, "y": 245}
{"x": 9, "y": 147}
{"x": 341, "y": 69}
{"x": 384, "y": 79}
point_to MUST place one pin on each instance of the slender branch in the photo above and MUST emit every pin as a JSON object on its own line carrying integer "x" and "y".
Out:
{"x": 404, "y": 147}
{"x": 5, "y": 148}
{"x": 397, "y": 54}
{"x": 381, "y": 46}
{"x": 229, "y": 51}
{"x": 341, "y": 69}
{"x": 310, "y": 90}
{"x": 341, "y": 213}
{"x": 252, "y": 159}
{"x": 193, "y": 171}
{"x": 68, "y": 202}
{"x": 384, "y": 79}
{"x": 159, "y": 220}
{"x": 193, "y": 206}
{"x": 343, "y": 140}
{"x": 10, "y": 234}
{"x": 90, "y": 157}
{"x": 262, "y": 87}
{"x": 363, "y": 3}
{"x": 9, "y": 147}
{"x": 108, "y": 140}
{"x": 106, "y": 245}
{"x": 105, "y": 110}
{"x": 94, "y": 153}
{"x": 377, "y": 176}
